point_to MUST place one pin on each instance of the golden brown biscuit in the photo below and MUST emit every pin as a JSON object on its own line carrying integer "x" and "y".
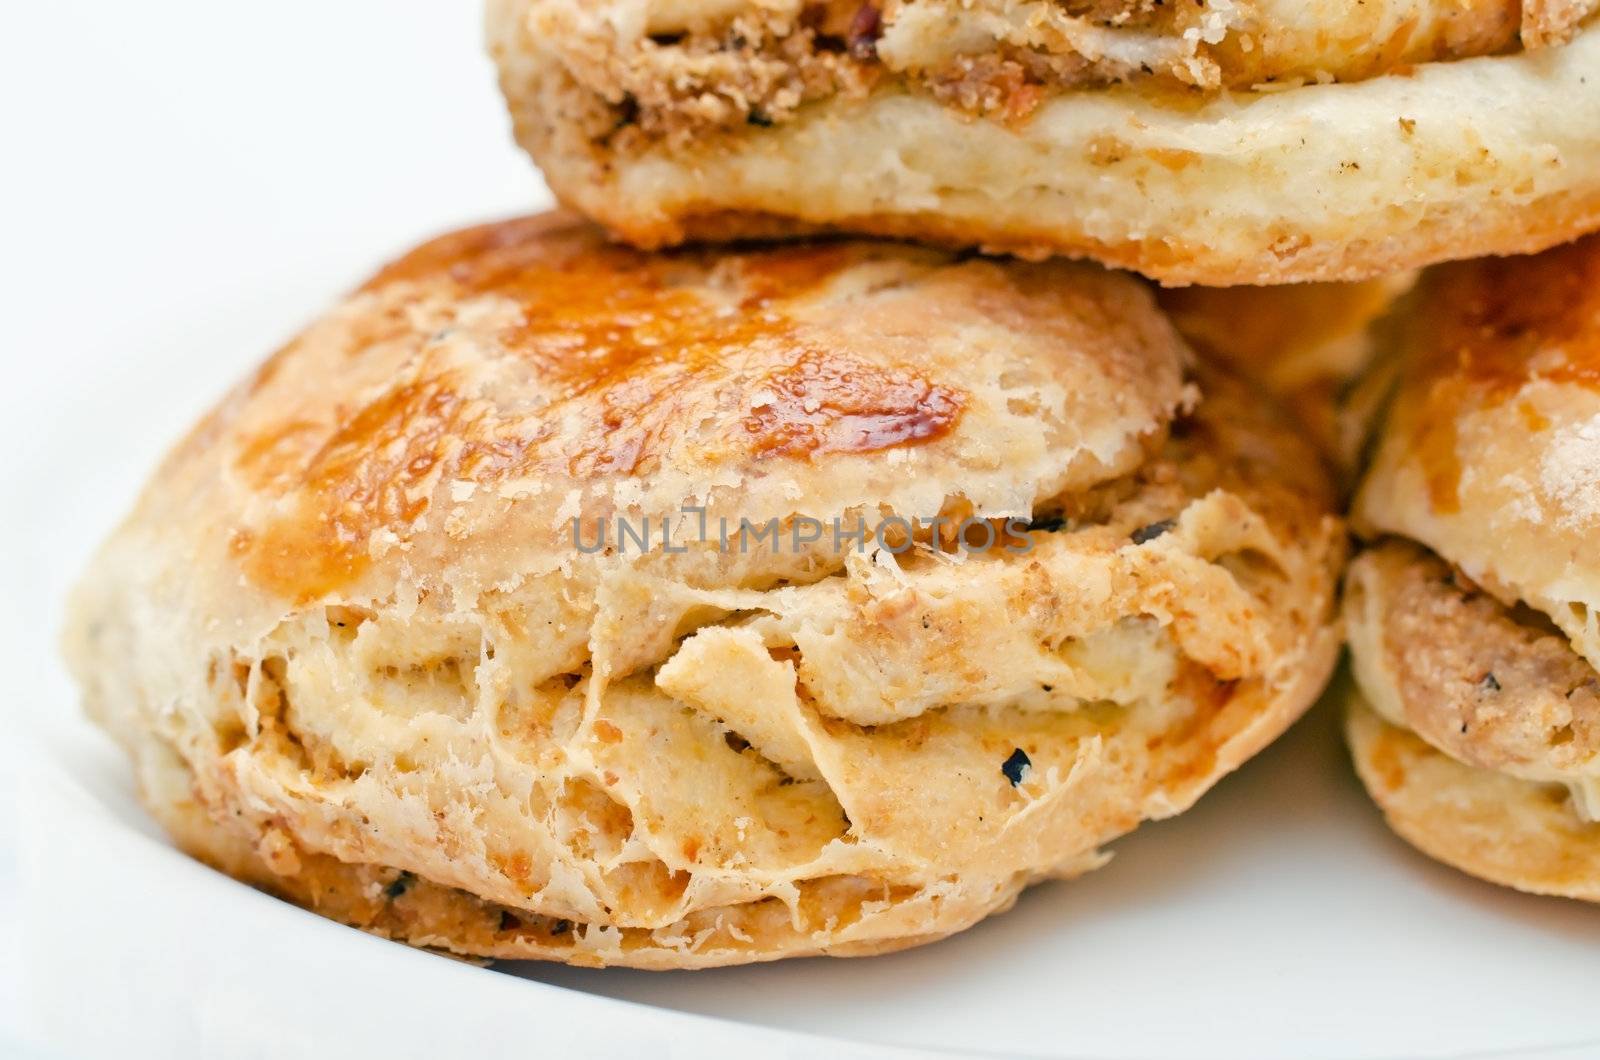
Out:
{"x": 362, "y": 639}
{"x": 1224, "y": 142}
{"x": 1471, "y": 617}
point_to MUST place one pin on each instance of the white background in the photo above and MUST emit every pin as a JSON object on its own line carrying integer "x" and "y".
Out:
{"x": 183, "y": 184}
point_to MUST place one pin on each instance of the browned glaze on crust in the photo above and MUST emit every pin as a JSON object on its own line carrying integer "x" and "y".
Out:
{"x": 1482, "y": 331}
{"x": 621, "y": 341}
{"x": 821, "y": 405}
{"x": 595, "y": 315}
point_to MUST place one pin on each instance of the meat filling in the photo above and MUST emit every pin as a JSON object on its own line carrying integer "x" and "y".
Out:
{"x": 731, "y": 66}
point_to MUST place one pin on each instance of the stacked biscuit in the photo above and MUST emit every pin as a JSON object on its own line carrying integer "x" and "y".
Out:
{"x": 571, "y": 593}
{"x": 1472, "y": 613}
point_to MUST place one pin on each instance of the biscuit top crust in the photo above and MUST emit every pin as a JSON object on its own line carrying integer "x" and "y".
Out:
{"x": 1489, "y": 329}
{"x": 1491, "y": 452}
{"x": 628, "y": 331}
{"x": 481, "y": 393}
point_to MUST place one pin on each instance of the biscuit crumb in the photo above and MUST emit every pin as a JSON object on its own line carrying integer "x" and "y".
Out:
{"x": 1570, "y": 472}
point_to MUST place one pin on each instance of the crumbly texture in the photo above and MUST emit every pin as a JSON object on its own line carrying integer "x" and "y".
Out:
{"x": 1345, "y": 180}
{"x": 362, "y": 660}
{"x": 1517, "y": 833}
{"x": 1569, "y": 472}
{"x": 1495, "y": 687}
{"x": 675, "y": 70}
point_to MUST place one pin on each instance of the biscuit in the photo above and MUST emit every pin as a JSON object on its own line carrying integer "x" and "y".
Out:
{"x": 1471, "y": 613}
{"x": 1221, "y": 143}
{"x": 382, "y": 638}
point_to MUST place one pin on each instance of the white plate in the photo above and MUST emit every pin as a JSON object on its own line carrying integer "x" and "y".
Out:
{"x": 200, "y": 178}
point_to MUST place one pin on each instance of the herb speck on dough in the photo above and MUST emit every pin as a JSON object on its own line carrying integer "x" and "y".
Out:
{"x": 1016, "y": 767}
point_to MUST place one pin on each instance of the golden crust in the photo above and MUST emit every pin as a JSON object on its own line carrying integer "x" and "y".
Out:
{"x": 349, "y": 633}
{"x": 1513, "y": 832}
{"x": 1278, "y": 253}
{"x": 1344, "y": 181}
{"x": 1307, "y": 344}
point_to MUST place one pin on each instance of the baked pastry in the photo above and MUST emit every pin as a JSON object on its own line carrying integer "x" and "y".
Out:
{"x": 1219, "y": 142}
{"x": 1472, "y": 613}
{"x": 395, "y": 633}
{"x": 1313, "y": 346}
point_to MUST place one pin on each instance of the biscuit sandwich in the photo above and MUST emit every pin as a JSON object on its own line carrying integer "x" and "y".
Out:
{"x": 1218, "y": 142}
{"x": 1473, "y": 612}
